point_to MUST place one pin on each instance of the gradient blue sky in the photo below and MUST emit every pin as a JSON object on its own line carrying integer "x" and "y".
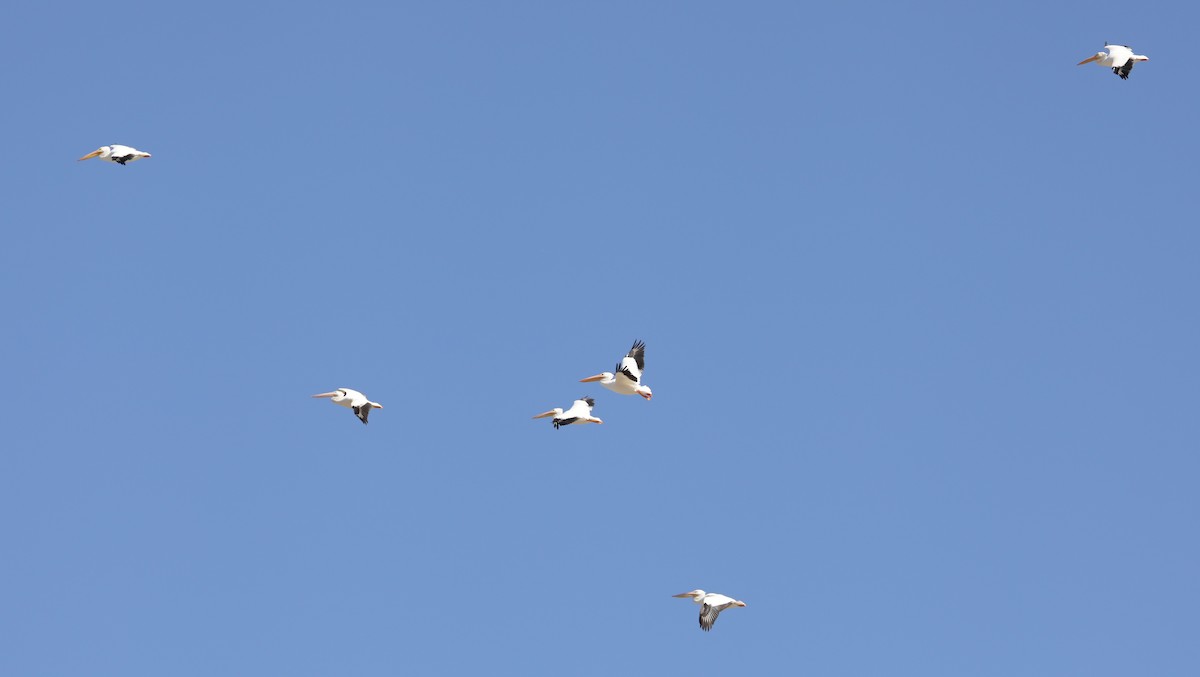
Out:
{"x": 919, "y": 297}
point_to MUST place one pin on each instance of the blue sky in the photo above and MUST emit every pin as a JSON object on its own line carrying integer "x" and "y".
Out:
{"x": 918, "y": 295}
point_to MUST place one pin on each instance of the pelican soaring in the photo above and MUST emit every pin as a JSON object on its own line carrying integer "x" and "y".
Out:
{"x": 580, "y": 412}
{"x": 711, "y": 604}
{"x": 628, "y": 378}
{"x": 356, "y": 401}
{"x": 116, "y": 153}
{"x": 1119, "y": 58}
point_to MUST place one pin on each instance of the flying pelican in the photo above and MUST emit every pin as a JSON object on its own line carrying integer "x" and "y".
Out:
{"x": 712, "y": 604}
{"x": 580, "y": 412}
{"x": 116, "y": 153}
{"x": 628, "y": 378}
{"x": 357, "y": 402}
{"x": 1120, "y": 59}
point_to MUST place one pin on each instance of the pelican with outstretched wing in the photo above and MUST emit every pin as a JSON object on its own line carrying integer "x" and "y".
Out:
{"x": 1120, "y": 58}
{"x": 627, "y": 379}
{"x": 116, "y": 153}
{"x": 580, "y": 412}
{"x": 711, "y": 605}
{"x": 354, "y": 400}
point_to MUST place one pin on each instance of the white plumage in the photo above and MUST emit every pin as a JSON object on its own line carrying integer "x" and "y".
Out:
{"x": 711, "y": 605}
{"x": 116, "y": 153}
{"x": 354, "y": 400}
{"x": 627, "y": 379}
{"x": 580, "y": 412}
{"x": 1120, "y": 58}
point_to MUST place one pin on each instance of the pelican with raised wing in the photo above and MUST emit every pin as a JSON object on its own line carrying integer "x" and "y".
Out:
{"x": 580, "y": 412}
{"x": 627, "y": 380}
{"x": 711, "y": 605}
{"x": 1120, "y": 58}
{"x": 353, "y": 400}
{"x": 116, "y": 153}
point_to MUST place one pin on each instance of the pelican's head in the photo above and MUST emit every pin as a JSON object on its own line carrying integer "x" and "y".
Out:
{"x": 336, "y": 394}
{"x": 102, "y": 151}
{"x": 606, "y": 376}
{"x": 553, "y": 412}
{"x": 696, "y": 595}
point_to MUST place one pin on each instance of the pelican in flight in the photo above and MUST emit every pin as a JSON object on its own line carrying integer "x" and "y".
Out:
{"x": 116, "y": 153}
{"x": 628, "y": 378}
{"x": 1120, "y": 59}
{"x": 580, "y": 412}
{"x": 356, "y": 401}
{"x": 711, "y": 604}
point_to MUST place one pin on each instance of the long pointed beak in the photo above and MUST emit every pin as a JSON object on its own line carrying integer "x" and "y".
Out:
{"x": 92, "y": 154}
{"x": 377, "y": 405}
{"x": 740, "y": 603}
{"x": 548, "y": 413}
{"x": 683, "y": 594}
{"x": 326, "y": 395}
{"x": 1089, "y": 60}
{"x": 597, "y": 377}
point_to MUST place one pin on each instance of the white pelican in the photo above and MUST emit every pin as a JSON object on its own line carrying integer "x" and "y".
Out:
{"x": 580, "y": 412}
{"x": 711, "y": 604}
{"x": 116, "y": 153}
{"x": 628, "y": 378}
{"x": 356, "y": 401}
{"x": 1120, "y": 59}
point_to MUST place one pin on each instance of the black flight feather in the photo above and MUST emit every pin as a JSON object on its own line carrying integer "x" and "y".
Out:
{"x": 638, "y": 353}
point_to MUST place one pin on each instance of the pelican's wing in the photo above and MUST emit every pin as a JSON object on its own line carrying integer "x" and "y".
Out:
{"x": 1119, "y": 53}
{"x": 362, "y": 411}
{"x": 638, "y": 353}
{"x": 582, "y": 408}
{"x": 357, "y": 399}
{"x": 634, "y": 363}
{"x": 122, "y": 154}
{"x": 627, "y": 369}
{"x": 709, "y": 612}
{"x": 1124, "y": 71}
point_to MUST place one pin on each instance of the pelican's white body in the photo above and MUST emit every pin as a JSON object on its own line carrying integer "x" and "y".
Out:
{"x": 353, "y": 400}
{"x": 1116, "y": 57}
{"x": 579, "y": 409}
{"x": 580, "y": 412}
{"x": 711, "y": 605}
{"x": 350, "y": 398}
{"x": 116, "y": 153}
{"x": 709, "y": 598}
{"x": 628, "y": 378}
{"x": 620, "y": 386}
